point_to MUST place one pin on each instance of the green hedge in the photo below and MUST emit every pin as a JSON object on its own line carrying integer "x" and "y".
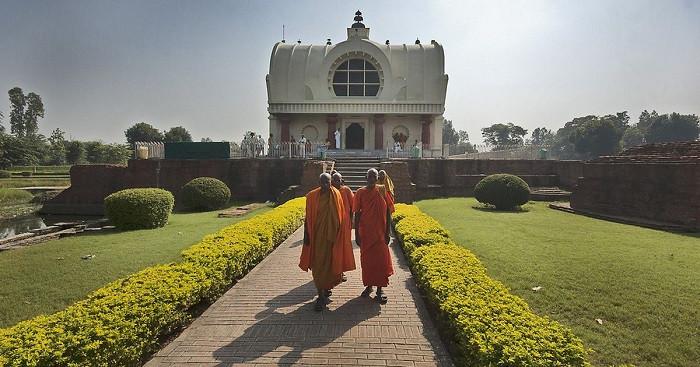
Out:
{"x": 139, "y": 208}
{"x": 119, "y": 324}
{"x": 487, "y": 324}
{"x": 205, "y": 193}
{"x": 503, "y": 191}
{"x": 5, "y": 174}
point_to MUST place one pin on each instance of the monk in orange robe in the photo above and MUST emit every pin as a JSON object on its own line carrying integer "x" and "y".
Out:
{"x": 323, "y": 251}
{"x": 346, "y": 229}
{"x": 373, "y": 209}
{"x": 387, "y": 183}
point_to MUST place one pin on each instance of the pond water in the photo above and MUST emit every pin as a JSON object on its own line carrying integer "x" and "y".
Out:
{"x": 25, "y": 223}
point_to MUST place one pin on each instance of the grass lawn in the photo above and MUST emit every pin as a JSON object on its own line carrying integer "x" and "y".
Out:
{"x": 47, "y": 277}
{"x": 16, "y": 182}
{"x": 644, "y": 284}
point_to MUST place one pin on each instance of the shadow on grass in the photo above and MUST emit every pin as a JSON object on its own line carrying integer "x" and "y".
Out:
{"x": 492, "y": 209}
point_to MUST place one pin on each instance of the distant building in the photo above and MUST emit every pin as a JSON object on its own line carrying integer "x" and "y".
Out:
{"x": 371, "y": 91}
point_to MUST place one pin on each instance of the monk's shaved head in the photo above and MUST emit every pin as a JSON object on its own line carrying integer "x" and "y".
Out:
{"x": 372, "y": 176}
{"x": 337, "y": 180}
{"x": 325, "y": 181}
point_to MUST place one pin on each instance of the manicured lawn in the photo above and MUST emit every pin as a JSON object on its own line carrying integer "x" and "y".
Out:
{"x": 644, "y": 284}
{"x": 48, "y": 277}
{"x": 16, "y": 182}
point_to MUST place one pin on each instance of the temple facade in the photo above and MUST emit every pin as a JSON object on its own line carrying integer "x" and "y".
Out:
{"x": 367, "y": 94}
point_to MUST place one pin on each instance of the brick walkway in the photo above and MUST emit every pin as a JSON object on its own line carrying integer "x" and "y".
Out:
{"x": 268, "y": 319}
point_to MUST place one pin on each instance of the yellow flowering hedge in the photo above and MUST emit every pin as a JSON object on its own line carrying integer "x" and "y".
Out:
{"x": 120, "y": 323}
{"x": 487, "y": 324}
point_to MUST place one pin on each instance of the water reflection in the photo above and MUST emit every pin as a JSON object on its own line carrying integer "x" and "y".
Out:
{"x": 11, "y": 227}
{"x": 25, "y": 223}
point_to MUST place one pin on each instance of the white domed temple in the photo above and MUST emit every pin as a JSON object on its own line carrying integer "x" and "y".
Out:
{"x": 372, "y": 94}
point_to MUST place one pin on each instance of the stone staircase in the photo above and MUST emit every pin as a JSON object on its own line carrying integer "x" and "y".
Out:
{"x": 354, "y": 169}
{"x": 549, "y": 194}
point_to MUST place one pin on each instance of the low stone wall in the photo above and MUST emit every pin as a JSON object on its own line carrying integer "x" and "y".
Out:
{"x": 249, "y": 179}
{"x": 457, "y": 177}
{"x": 663, "y": 192}
{"x": 270, "y": 179}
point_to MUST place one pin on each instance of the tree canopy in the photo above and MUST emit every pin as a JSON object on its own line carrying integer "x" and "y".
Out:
{"x": 673, "y": 127}
{"x": 501, "y": 135}
{"x": 25, "y": 111}
{"x": 142, "y": 132}
{"x": 177, "y": 134}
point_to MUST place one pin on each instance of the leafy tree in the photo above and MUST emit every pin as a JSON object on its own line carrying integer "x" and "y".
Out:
{"x": 177, "y": 134}
{"x": 645, "y": 120}
{"x": 449, "y": 134}
{"x": 541, "y": 136}
{"x": 75, "y": 152}
{"x": 632, "y": 137}
{"x": 501, "y": 135}
{"x": 590, "y": 136}
{"x": 98, "y": 152}
{"x": 25, "y": 112}
{"x": 142, "y": 132}
{"x": 35, "y": 109}
{"x": 18, "y": 152}
{"x": 463, "y": 137}
{"x": 670, "y": 128}
{"x": 18, "y": 103}
{"x": 206, "y": 140}
{"x": 2, "y": 127}
{"x": 56, "y": 154}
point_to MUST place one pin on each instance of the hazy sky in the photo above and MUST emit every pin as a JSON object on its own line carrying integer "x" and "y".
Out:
{"x": 101, "y": 66}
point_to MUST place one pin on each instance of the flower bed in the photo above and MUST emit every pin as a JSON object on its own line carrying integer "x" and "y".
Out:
{"x": 487, "y": 325}
{"x": 122, "y": 322}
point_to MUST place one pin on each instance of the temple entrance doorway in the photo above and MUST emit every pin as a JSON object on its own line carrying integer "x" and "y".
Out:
{"x": 354, "y": 136}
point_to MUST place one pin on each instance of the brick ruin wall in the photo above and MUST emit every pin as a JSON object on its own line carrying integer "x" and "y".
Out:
{"x": 268, "y": 179}
{"x": 657, "y": 182}
{"x": 457, "y": 177}
{"x": 248, "y": 179}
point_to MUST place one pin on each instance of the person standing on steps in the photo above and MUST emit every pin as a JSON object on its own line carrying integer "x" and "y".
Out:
{"x": 337, "y": 138}
{"x": 348, "y": 262}
{"x": 322, "y": 250}
{"x": 372, "y": 233}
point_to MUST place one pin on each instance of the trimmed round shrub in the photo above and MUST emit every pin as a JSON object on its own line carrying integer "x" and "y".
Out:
{"x": 139, "y": 208}
{"x": 503, "y": 191}
{"x": 5, "y": 174}
{"x": 205, "y": 193}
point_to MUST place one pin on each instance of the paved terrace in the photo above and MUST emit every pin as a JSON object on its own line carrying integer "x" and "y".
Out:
{"x": 268, "y": 319}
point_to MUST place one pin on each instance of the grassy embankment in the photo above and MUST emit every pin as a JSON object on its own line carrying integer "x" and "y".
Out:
{"x": 50, "y": 276}
{"x": 643, "y": 284}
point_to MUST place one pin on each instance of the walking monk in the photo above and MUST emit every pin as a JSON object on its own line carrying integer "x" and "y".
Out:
{"x": 372, "y": 227}
{"x": 346, "y": 228}
{"x": 386, "y": 185}
{"x": 323, "y": 251}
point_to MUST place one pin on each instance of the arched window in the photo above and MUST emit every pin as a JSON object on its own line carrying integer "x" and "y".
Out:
{"x": 356, "y": 78}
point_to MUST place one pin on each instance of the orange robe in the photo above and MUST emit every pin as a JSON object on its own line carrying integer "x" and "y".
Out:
{"x": 375, "y": 257}
{"x": 323, "y": 255}
{"x": 346, "y": 229}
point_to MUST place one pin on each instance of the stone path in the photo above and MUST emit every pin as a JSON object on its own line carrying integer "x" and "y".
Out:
{"x": 268, "y": 319}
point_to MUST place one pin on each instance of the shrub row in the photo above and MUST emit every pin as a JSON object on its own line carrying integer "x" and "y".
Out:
{"x": 119, "y": 324}
{"x": 487, "y": 325}
{"x": 5, "y": 174}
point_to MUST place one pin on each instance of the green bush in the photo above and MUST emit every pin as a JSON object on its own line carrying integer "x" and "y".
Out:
{"x": 487, "y": 325}
{"x": 121, "y": 323}
{"x": 139, "y": 208}
{"x": 503, "y": 191}
{"x": 205, "y": 193}
{"x": 5, "y": 174}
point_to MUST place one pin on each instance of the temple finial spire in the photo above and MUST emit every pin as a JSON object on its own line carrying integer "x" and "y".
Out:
{"x": 358, "y": 20}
